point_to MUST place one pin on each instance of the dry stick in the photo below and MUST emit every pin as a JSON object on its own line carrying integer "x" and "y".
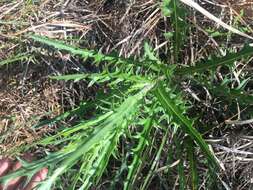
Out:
{"x": 236, "y": 122}
{"x": 11, "y": 9}
{"x": 196, "y": 6}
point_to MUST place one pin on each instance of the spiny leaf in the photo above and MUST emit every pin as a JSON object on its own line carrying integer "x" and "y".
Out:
{"x": 101, "y": 133}
{"x": 67, "y": 132}
{"x": 85, "y": 53}
{"x": 136, "y": 163}
{"x": 77, "y": 51}
{"x": 150, "y": 54}
{"x": 14, "y": 59}
{"x": 186, "y": 125}
{"x": 61, "y": 46}
{"x": 103, "y": 77}
{"x": 216, "y": 62}
{"x": 98, "y": 165}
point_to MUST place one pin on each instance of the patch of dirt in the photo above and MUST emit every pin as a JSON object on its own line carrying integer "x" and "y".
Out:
{"x": 26, "y": 97}
{"x": 234, "y": 150}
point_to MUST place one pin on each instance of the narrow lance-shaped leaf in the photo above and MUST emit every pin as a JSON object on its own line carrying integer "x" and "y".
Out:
{"x": 102, "y": 77}
{"x": 77, "y": 51}
{"x": 186, "y": 125}
{"x": 179, "y": 25}
{"x": 85, "y": 53}
{"x": 14, "y": 59}
{"x": 216, "y": 62}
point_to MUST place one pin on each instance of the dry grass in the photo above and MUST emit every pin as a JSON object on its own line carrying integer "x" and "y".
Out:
{"x": 25, "y": 99}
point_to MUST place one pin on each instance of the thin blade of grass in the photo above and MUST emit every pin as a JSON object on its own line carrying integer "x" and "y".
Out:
{"x": 180, "y": 166}
{"x": 151, "y": 172}
{"x": 193, "y": 164}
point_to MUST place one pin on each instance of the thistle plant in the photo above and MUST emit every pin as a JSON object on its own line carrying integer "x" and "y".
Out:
{"x": 142, "y": 96}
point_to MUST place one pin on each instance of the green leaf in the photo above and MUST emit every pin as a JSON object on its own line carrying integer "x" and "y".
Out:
{"x": 192, "y": 160}
{"x": 31, "y": 168}
{"x": 180, "y": 166}
{"x": 85, "y": 53}
{"x": 213, "y": 63}
{"x": 173, "y": 9}
{"x": 186, "y": 125}
{"x": 75, "y": 77}
{"x": 101, "y": 134}
{"x": 166, "y": 9}
{"x": 155, "y": 162}
{"x": 14, "y": 59}
{"x": 136, "y": 163}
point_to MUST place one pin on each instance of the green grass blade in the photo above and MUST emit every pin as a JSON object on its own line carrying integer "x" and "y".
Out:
{"x": 193, "y": 165}
{"x": 180, "y": 166}
{"x": 155, "y": 163}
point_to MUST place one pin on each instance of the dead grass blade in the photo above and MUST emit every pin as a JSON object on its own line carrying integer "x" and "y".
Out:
{"x": 196, "y": 6}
